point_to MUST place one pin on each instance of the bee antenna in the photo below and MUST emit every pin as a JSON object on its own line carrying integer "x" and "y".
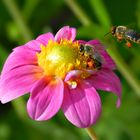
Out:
{"x": 107, "y": 34}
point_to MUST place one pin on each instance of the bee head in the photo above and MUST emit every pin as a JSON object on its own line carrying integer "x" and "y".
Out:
{"x": 113, "y": 30}
{"x": 85, "y": 48}
{"x": 81, "y": 48}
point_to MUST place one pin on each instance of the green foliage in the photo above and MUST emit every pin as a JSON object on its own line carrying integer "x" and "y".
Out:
{"x": 22, "y": 20}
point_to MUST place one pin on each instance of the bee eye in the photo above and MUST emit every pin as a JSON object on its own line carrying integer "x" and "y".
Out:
{"x": 113, "y": 30}
{"x": 81, "y": 48}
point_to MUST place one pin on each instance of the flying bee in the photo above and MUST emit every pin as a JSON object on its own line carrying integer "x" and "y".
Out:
{"x": 93, "y": 58}
{"x": 124, "y": 33}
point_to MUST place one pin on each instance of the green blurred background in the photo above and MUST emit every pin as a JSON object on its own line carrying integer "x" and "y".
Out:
{"x": 23, "y": 20}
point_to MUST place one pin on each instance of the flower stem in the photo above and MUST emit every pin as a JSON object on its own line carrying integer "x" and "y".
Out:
{"x": 91, "y": 133}
{"x": 84, "y": 19}
{"x": 15, "y": 13}
{"x": 100, "y": 10}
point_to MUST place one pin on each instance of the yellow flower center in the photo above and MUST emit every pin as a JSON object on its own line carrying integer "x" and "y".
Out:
{"x": 58, "y": 58}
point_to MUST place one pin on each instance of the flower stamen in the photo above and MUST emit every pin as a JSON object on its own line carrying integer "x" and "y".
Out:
{"x": 72, "y": 84}
{"x": 58, "y": 58}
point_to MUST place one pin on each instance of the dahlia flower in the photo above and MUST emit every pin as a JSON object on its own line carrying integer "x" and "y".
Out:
{"x": 60, "y": 72}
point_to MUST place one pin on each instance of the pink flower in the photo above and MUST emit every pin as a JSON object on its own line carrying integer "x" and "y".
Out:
{"x": 60, "y": 73}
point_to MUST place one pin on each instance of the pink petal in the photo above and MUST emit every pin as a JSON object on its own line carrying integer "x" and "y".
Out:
{"x": 73, "y": 74}
{"x": 82, "y": 105}
{"x": 34, "y": 45}
{"x": 81, "y": 41}
{"x": 20, "y": 56}
{"x": 108, "y": 81}
{"x": 109, "y": 63}
{"x": 44, "y": 38}
{"x": 46, "y": 99}
{"x": 41, "y": 40}
{"x": 26, "y": 54}
{"x": 18, "y": 81}
{"x": 65, "y": 33}
{"x": 96, "y": 45}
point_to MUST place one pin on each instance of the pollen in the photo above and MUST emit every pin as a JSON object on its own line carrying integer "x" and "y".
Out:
{"x": 58, "y": 58}
{"x": 72, "y": 84}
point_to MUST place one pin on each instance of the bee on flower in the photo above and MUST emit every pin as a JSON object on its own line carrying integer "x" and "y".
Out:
{"x": 60, "y": 72}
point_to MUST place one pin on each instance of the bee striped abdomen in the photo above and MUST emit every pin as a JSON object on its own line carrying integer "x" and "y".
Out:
{"x": 132, "y": 35}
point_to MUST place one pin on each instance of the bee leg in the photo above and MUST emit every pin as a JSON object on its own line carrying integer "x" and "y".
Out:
{"x": 119, "y": 39}
{"x": 128, "y": 44}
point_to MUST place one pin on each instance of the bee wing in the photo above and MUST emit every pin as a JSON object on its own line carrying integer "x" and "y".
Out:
{"x": 96, "y": 45}
{"x": 97, "y": 49}
{"x": 132, "y": 35}
{"x": 101, "y": 54}
{"x": 98, "y": 57}
{"x": 130, "y": 32}
{"x": 131, "y": 25}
